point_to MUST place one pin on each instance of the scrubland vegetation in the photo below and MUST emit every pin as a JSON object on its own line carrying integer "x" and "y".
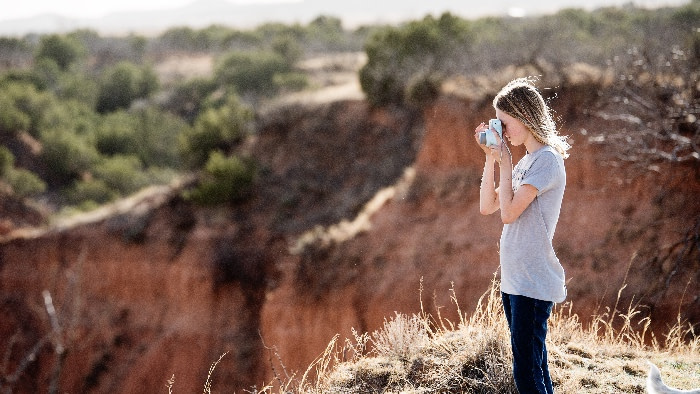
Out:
{"x": 86, "y": 119}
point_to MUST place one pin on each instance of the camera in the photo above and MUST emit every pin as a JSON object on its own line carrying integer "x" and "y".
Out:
{"x": 486, "y": 137}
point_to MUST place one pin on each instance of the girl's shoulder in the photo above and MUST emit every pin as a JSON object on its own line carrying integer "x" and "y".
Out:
{"x": 546, "y": 162}
{"x": 547, "y": 156}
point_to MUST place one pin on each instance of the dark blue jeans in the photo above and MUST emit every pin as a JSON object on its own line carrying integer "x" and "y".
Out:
{"x": 527, "y": 321}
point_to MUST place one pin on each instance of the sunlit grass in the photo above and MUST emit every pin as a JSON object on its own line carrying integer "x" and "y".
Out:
{"x": 422, "y": 353}
{"x": 425, "y": 353}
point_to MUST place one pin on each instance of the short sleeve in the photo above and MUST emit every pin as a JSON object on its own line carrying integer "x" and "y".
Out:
{"x": 542, "y": 174}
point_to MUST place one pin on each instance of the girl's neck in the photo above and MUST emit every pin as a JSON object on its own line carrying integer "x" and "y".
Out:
{"x": 532, "y": 145}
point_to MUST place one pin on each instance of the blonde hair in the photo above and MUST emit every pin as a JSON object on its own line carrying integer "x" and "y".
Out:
{"x": 521, "y": 100}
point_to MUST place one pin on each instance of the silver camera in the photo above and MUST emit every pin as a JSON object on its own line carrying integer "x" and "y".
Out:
{"x": 486, "y": 137}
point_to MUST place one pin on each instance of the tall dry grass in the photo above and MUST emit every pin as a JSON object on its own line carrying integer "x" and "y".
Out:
{"x": 425, "y": 353}
{"x": 422, "y": 353}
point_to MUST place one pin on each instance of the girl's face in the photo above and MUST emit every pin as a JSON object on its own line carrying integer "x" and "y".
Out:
{"x": 513, "y": 129}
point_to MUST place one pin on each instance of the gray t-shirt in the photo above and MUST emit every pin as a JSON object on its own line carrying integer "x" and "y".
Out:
{"x": 529, "y": 266}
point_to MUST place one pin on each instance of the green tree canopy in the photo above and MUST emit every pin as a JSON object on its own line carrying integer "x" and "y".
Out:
{"x": 61, "y": 49}
{"x": 123, "y": 83}
{"x": 215, "y": 129}
{"x": 225, "y": 180}
{"x": 396, "y": 54}
{"x": 252, "y": 72}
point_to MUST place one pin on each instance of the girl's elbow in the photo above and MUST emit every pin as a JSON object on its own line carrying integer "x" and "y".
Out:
{"x": 507, "y": 219}
{"x": 487, "y": 210}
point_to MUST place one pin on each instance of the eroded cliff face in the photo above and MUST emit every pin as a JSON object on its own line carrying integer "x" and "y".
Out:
{"x": 158, "y": 287}
{"x": 136, "y": 301}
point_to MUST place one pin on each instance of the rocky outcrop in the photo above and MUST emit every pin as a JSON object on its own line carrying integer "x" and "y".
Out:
{"x": 353, "y": 211}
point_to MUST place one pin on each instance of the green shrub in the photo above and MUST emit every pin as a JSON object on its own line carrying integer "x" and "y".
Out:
{"x": 66, "y": 155}
{"x": 61, "y": 49}
{"x": 74, "y": 86}
{"x": 123, "y": 83}
{"x": 215, "y": 129}
{"x": 395, "y": 55}
{"x": 89, "y": 193}
{"x": 224, "y": 180}
{"x": 157, "y": 135}
{"x": 189, "y": 39}
{"x": 14, "y": 51}
{"x": 288, "y": 48}
{"x": 272, "y": 31}
{"x": 66, "y": 135}
{"x": 423, "y": 89}
{"x": 46, "y": 74}
{"x": 24, "y": 183}
{"x": 241, "y": 39}
{"x": 21, "y": 76}
{"x": 7, "y": 160}
{"x": 328, "y": 29}
{"x": 116, "y": 134}
{"x": 189, "y": 98}
{"x": 71, "y": 115}
{"x": 123, "y": 174}
{"x": 23, "y": 107}
{"x": 252, "y": 72}
{"x": 160, "y": 175}
{"x": 12, "y": 120}
{"x": 147, "y": 133}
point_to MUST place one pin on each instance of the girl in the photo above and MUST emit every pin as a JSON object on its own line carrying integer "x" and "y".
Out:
{"x": 529, "y": 198}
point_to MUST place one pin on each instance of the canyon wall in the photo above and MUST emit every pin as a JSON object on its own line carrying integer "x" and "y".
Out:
{"x": 357, "y": 214}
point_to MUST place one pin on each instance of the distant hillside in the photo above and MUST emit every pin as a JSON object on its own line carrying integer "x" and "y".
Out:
{"x": 201, "y": 13}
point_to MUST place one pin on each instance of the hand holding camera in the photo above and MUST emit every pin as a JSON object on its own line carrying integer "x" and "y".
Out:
{"x": 487, "y": 138}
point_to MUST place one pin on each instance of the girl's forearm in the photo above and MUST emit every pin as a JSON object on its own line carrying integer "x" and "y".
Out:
{"x": 505, "y": 192}
{"x": 488, "y": 198}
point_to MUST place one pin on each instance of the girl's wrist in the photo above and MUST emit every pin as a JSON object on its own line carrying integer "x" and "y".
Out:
{"x": 504, "y": 152}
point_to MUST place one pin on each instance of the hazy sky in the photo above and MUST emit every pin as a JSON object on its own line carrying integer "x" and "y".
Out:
{"x": 15, "y": 9}
{"x": 93, "y": 8}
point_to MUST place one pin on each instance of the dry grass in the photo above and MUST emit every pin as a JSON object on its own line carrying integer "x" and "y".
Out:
{"x": 430, "y": 354}
{"x": 423, "y": 353}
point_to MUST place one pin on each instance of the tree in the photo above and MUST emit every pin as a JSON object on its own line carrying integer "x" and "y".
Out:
{"x": 63, "y": 50}
{"x": 157, "y": 134}
{"x": 396, "y": 55}
{"x": 253, "y": 72}
{"x": 24, "y": 183}
{"x": 225, "y": 180}
{"x": 219, "y": 128}
{"x": 189, "y": 98}
{"x": 14, "y": 52}
{"x": 288, "y": 48}
{"x": 22, "y": 107}
{"x": 122, "y": 84}
{"x": 328, "y": 30}
{"x": 12, "y": 119}
{"x": 66, "y": 156}
{"x": 122, "y": 173}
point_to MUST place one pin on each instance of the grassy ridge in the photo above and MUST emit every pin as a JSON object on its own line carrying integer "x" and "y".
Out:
{"x": 425, "y": 353}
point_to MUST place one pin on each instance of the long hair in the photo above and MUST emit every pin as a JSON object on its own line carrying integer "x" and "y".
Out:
{"x": 521, "y": 100}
